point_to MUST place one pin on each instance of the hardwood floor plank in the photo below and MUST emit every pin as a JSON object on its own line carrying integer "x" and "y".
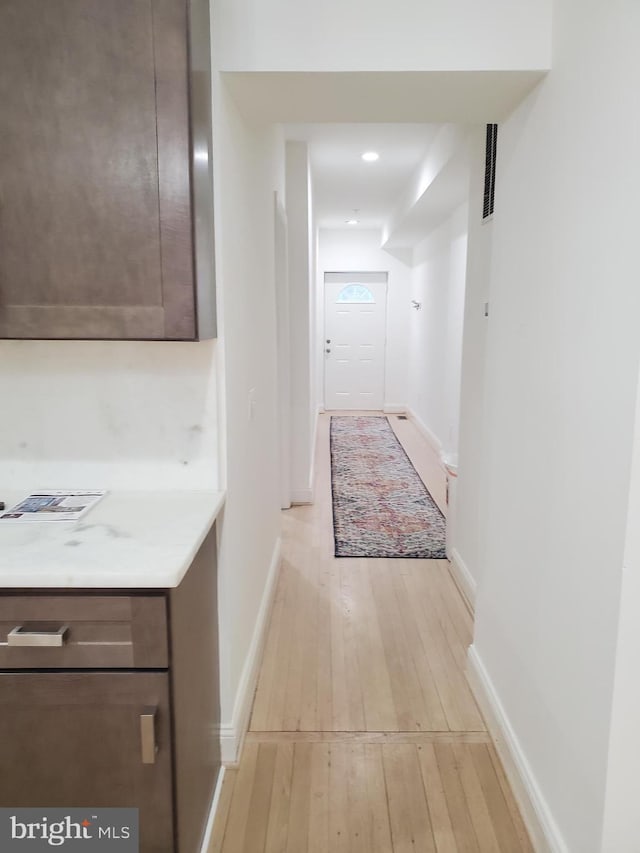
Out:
{"x": 300, "y": 800}
{"x": 269, "y": 666}
{"x": 459, "y": 613}
{"x": 360, "y": 826}
{"x": 300, "y": 674}
{"x": 435, "y": 718}
{"x": 410, "y": 820}
{"x": 222, "y": 812}
{"x": 455, "y": 621}
{"x": 401, "y": 830}
{"x": 351, "y": 630}
{"x": 505, "y": 831}
{"x": 476, "y": 803}
{"x": 420, "y": 816}
{"x": 376, "y": 792}
{"x": 338, "y": 801}
{"x": 324, "y": 680}
{"x": 507, "y": 793}
{"x": 463, "y": 830}
{"x": 374, "y": 664}
{"x": 435, "y": 654}
{"x": 340, "y": 688}
{"x": 411, "y": 714}
{"x": 260, "y": 803}
{"x": 282, "y": 649}
{"x": 318, "y": 841}
{"x": 311, "y": 651}
{"x": 241, "y": 801}
{"x": 436, "y": 799}
{"x": 278, "y": 826}
{"x": 454, "y": 691}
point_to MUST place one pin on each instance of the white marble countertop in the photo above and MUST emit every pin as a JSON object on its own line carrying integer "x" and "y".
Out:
{"x": 128, "y": 540}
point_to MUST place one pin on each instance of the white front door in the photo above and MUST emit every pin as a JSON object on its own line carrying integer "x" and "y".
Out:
{"x": 354, "y": 342}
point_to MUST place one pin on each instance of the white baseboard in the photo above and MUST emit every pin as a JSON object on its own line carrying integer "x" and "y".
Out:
{"x": 431, "y": 437}
{"x": 302, "y": 496}
{"x": 394, "y": 409}
{"x": 544, "y": 832}
{"x": 206, "y": 841}
{"x": 464, "y": 579}
{"x": 232, "y": 734}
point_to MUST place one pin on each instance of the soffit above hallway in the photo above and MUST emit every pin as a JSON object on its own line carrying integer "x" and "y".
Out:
{"x": 470, "y": 97}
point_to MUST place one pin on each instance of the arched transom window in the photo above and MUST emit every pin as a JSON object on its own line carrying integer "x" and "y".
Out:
{"x": 355, "y": 293}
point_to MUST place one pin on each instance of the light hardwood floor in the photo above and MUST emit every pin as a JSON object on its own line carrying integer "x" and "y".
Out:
{"x": 365, "y": 736}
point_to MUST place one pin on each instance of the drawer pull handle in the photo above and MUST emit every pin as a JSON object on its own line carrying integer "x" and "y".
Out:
{"x": 21, "y": 636}
{"x": 148, "y": 735}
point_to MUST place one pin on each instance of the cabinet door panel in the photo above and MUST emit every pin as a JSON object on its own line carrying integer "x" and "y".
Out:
{"x": 94, "y": 170}
{"x": 73, "y": 739}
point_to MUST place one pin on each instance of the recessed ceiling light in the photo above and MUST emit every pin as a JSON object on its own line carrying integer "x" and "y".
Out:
{"x": 352, "y": 221}
{"x": 370, "y": 156}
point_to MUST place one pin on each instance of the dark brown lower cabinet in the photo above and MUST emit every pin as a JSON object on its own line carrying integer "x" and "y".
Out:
{"x": 110, "y": 698}
{"x": 74, "y": 740}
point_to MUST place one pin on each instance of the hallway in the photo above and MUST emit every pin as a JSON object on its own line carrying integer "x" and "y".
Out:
{"x": 365, "y": 735}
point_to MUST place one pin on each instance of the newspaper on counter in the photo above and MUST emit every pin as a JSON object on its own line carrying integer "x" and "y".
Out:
{"x": 57, "y": 505}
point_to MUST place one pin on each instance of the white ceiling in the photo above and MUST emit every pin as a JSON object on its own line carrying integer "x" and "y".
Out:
{"x": 342, "y": 181}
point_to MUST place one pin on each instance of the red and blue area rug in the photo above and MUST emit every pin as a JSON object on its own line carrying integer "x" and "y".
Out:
{"x": 381, "y": 507}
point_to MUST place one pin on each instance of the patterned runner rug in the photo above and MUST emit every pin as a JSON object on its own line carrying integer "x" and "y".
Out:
{"x": 381, "y": 507}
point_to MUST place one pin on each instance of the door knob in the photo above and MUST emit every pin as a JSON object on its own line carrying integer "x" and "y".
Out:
{"x": 327, "y": 350}
{"x": 328, "y": 340}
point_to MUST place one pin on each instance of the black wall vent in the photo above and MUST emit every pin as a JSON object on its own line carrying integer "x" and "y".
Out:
{"x": 490, "y": 170}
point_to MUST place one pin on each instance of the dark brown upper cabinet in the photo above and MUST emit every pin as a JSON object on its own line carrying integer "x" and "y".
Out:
{"x": 106, "y": 185}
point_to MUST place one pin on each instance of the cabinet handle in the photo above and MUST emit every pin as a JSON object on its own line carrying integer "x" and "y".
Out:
{"x": 20, "y": 636}
{"x": 148, "y": 735}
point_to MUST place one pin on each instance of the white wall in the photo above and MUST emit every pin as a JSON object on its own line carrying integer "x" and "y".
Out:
{"x": 435, "y": 342}
{"x": 248, "y": 168}
{"x": 115, "y": 415}
{"x": 315, "y": 333}
{"x": 561, "y": 386}
{"x": 301, "y": 35}
{"x": 359, "y": 251}
{"x": 301, "y": 317}
{"x": 283, "y": 338}
{"x": 470, "y": 496}
{"x": 622, "y": 816}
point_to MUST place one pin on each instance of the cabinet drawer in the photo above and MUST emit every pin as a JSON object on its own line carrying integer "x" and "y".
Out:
{"x": 83, "y": 632}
